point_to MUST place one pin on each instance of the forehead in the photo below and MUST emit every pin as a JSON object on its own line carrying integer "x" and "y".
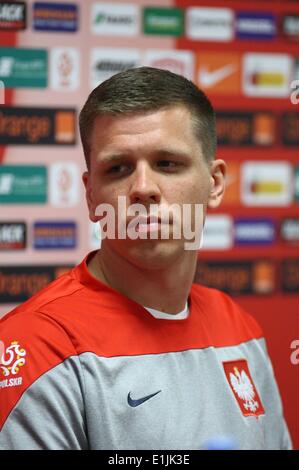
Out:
{"x": 173, "y": 123}
{"x": 163, "y": 133}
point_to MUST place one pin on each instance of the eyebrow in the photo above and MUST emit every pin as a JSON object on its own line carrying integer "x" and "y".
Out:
{"x": 173, "y": 153}
{"x": 112, "y": 158}
{"x": 162, "y": 153}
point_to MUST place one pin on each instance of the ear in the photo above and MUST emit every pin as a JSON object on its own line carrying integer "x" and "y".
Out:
{"x": 217, "y": 178}
{"x": 89, "y": 196}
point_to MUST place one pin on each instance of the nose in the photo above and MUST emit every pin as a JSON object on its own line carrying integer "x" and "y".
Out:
{"x": 144, "y": 188}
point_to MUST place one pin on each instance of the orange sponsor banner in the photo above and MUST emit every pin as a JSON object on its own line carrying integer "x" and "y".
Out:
{"x": 38, "y": 126}
{"x": 242, "y": 277}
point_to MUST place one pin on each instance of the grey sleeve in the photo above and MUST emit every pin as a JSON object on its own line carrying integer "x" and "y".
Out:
{"x": 50, "y": 413}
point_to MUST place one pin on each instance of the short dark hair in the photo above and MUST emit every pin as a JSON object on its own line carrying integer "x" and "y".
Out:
{"x": 146, "y": 89}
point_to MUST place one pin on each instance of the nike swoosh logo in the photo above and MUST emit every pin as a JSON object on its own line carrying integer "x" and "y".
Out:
{"x": 209, "y": 79}
{"x": 139, "y": 401}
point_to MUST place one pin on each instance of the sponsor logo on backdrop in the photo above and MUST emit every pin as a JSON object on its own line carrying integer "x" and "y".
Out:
{"x": 219, "y": 72}
{"x": 38, "y": 126}
{"x": 245, "y": 128}
{"x": 290, "y": 27}
{"x": 254, "y": 231}
{"x": 290, "y": 275}
{"x": 290, "y": 129}
{"x": 23, "y": 184}
{"x": 55, "y": 17}
{"x": 23, "y": 68}
{"x": 12, "y": 235}
{"x": 163, "y": 21}
{"x": 266, "y": 183}
{"x": 232, "y": 184}
{"x": 238, "y": 277}
{"x": 289, "y": 230}
{"x": 267, "y": 75}
{"x": 106, "y": 62}
{"x": 255, "y": 25}
{"x": 210, "y": 24}
{"x": 118, "y": 19}
{"x": 19, "y": 283}
{"x": 218, "y": 232}
{"x": 13, "y": 15}
{"x": 54, "y": 235}
{"x": 180, "y": 62}
{"x": 64, "y": 184}
{"x": 65, "y": 69}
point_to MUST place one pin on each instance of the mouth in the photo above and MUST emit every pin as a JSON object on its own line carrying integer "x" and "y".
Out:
{"x": 149, "y": 224}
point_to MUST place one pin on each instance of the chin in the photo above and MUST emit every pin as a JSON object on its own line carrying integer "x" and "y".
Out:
{"x": 155, "y": 254}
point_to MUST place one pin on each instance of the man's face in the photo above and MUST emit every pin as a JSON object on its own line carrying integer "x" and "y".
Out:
{"x": 149, "y": 159}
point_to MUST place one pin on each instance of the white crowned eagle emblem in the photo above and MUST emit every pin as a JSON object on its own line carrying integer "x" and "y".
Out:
{"x": 243, "y": 387}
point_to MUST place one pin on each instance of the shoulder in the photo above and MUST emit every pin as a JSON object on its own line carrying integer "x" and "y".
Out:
{"x": 40, "y": 335}
{"x": 28, "y": 316}
{"x": 62, "y": 288}
{"x": 224, "y": 315}
{"x": 31, "y": 328}
{"x": 32, "y": 343}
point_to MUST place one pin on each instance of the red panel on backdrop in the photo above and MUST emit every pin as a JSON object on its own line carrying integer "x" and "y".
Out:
{"x": 277, "y": 313}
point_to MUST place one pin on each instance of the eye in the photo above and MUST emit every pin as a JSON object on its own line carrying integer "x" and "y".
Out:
{"x": 118, "y": 169}
{"x": 168, "y": 165}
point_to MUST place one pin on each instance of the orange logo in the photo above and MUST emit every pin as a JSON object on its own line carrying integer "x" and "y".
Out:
{"x": 219, "y": 72}
{"x": 64, "y": 126}
{"x": 263, "y": 274}
{"x": 264, "y": 128}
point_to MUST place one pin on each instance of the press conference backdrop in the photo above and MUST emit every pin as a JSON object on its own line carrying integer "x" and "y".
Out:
{"x": 245, "y": 55}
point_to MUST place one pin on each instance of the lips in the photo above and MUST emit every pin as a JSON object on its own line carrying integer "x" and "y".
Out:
{"x": 147, "y": 224}
{"x": 151, "y": 219}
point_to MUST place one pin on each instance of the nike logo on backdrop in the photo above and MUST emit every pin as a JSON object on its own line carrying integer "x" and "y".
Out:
{"x": 209, "y": 79}
{"x": 139, "y": 401}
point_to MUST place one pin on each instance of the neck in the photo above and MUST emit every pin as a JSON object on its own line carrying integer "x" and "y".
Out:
{"x": 165, "y": 289}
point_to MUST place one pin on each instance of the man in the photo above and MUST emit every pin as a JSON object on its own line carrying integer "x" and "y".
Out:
{"x": 124, "y": 352}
